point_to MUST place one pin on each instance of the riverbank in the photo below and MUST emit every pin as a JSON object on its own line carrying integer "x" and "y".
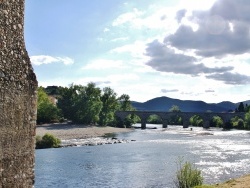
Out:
{"x": 80, "y": 135}
{"x": 241, "y": 182}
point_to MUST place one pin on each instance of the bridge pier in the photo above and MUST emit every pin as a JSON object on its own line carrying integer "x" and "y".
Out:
{"x": 206, "y": 125}
{"x": 164, "y": 123}
{"x": 185, "y": 123}
{"x": 143, "y": 123}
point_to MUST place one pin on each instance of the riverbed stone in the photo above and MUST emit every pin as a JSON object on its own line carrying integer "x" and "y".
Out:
{"x": 18, "y": 98}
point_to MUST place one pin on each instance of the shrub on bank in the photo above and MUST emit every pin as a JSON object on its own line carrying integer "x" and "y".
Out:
{"x": 188, "y": 176}
{"x": 47, "y": 141}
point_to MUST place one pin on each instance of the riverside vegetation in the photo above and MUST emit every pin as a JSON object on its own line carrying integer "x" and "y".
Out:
{"x": 47, "y": 141}
{"x": 187, "y": 175}
{"x": 83, "y": 105}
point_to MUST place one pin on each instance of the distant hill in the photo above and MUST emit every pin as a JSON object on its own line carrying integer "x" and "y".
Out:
{"x": 165, "y": 103}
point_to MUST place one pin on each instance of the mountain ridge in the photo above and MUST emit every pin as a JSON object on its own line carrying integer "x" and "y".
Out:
{"x": 165, "y": 103}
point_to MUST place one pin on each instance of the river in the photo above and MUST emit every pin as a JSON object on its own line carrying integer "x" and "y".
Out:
{"x": 150, "y": 161}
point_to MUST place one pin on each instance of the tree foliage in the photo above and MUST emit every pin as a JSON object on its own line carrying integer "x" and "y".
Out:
{"x": 109, "y": 106}
{"x": 91, "y": 105}
{"x": 247, "y": 120}
{"x": 174, "y": 108}
{"x": 154, "y": 119}
{"x": 196, "y": 121}
{"x": 125, "y": 105}
{"x": 216, "y": 122}
{"x": 175, "y": 119}
{"x": 81, "y": 104}
{"x": 47, "y": 112}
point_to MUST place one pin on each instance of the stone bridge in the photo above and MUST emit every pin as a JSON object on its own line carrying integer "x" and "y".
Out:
{"x": 165, "y": 116}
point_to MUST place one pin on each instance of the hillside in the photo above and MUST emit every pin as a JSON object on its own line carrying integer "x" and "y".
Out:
{"x": 165, "y": 103}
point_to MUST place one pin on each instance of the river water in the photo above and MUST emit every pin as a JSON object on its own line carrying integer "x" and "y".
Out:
{"x": 150, "y": 161}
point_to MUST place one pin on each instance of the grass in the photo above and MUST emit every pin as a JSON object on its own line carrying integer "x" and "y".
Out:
{"x": 188, "y": 176}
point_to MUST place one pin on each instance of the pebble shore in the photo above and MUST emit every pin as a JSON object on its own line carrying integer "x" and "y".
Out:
{"x": 81, "y": 135}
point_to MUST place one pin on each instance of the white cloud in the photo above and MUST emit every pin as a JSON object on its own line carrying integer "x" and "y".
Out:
{"x": 127, "y": 17}
{"x": 103, "y": 64}
{"x": 106, "y": 30}
{"x": 45, "y": 59}
{"x": 156, "y": 18}
{"x": 66, "y": 60}
{"x": 136, "y": 49}
{"x": 120, "y": 39}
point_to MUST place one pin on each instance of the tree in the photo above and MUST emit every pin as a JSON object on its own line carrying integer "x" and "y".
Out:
{"x": 247, "y": 120}
{"x": 247, "y": 108}
{"x": 109, "y": 106}
{"x": 125, "y": 105}
{"x": 174, "y": 108}
{"x": 216, "y": 122}
{"x": 81, "y": 104}
{"x": 66, "y": 101}
{"x": 196, "y": 121}
{"x": 88, "y": 104}
{"x": 237, "y": 123}
{"x": 47, "y": 112}
{"x": 154, "y": 119}
{"x": 175, "y": 119}
{"x": 241, "y": 107}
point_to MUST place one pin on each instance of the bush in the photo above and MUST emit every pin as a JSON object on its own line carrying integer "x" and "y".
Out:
{"x": 47, "y": 141}
{"x": 187, "y": 176}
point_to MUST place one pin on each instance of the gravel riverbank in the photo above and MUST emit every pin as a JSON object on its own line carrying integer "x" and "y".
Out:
{"x": 80, "y": 135}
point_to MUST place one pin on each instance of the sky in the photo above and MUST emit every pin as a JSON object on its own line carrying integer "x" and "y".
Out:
{"x": 182, "y": 49}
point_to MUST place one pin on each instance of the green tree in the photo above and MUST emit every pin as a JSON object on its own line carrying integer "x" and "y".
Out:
{"x": 247, "y": 108}
{"x": 237, "y": 123}
{"x": 196, "y": 121}
{"x": 88, "y": 104}
{"x": 109, "y": 106}
{"x": 47, "y": 112}
{"x": 247, "y": 120}
{"x": 67, "y": 102}
{"x": 125, "y": 105}
{"x": 175, "y": 119}
{"x": 216, "y": 122}
{"x": 174, "y": 108}
{"x": 154, "y": 119}
{"x": 81, "y": 104}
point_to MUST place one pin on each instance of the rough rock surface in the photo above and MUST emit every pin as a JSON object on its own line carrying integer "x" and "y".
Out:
{"x": 17, "y": 99}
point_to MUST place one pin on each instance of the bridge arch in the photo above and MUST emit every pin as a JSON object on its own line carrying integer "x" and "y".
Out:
{"x": 165, "y": 116}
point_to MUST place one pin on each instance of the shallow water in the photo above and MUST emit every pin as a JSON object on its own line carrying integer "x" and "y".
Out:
{"x": 150, "y": 161}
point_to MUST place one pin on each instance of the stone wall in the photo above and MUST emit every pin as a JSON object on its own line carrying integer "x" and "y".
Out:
{"x": 17, "y": 100}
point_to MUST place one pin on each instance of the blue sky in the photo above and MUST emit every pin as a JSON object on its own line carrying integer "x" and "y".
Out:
{"x": 184, "y": 49}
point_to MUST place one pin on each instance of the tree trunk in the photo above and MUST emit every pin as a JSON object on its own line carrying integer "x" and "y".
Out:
{"x": 18, "y": 87}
